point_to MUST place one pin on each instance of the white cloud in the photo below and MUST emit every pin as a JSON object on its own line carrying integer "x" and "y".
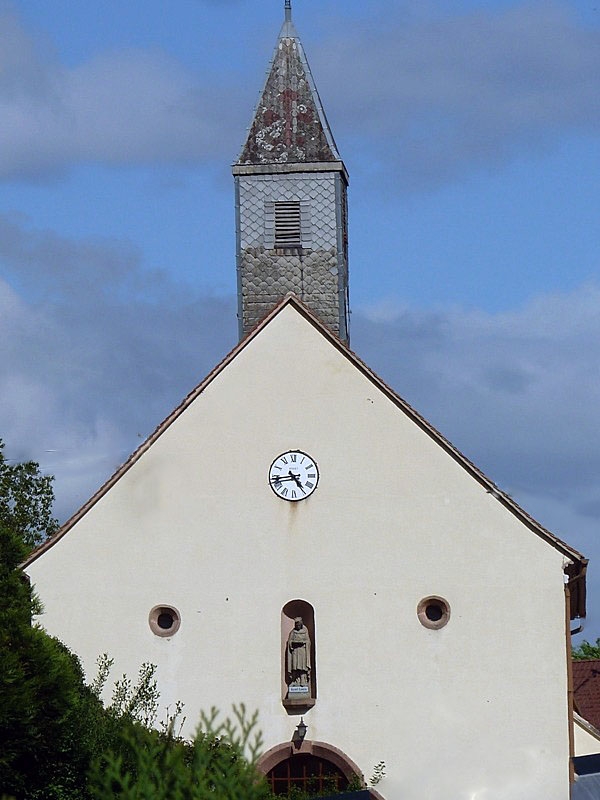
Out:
{"x": 427, "y": 100}
{"x": 425, "y": 93}
{"x": 91, "y": 363}
{"x": 122, "y": 107}
{"x": 518, "y": 392}
{"x": 89, "y": 366}
{"x": 100, "y": 351}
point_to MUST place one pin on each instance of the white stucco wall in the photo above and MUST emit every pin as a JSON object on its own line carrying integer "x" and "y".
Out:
{"x": 477, "y": 709}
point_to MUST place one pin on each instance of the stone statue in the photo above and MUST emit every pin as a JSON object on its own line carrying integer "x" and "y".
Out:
{"x": 298, "y": 654}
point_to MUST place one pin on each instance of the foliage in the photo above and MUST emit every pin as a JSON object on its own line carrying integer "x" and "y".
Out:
{"x": 45, "y": 704}
{"x": 242, "y": 733}
{"x": 161, "y": 766}
{"x": 586, "y": 650}
{"x": 52, "y": 726}
{"x": 137, "y": 702}
{"x": 26, "y": 499}
{"x": 378, "y": 773}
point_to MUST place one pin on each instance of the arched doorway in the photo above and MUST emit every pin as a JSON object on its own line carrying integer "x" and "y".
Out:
{"x": 310, "y": 774}
{"x": 312, "y": 767}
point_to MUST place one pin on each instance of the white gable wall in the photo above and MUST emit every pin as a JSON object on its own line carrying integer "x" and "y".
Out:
{"x": 477, "y": 709}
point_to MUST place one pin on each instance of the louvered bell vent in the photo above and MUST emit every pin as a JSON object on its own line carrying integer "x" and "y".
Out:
{"x": 288, "y": 225}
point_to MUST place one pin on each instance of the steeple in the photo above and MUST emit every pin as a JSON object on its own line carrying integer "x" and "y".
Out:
{"x": 291, "y": 197}
{"x": 289, "y": 124}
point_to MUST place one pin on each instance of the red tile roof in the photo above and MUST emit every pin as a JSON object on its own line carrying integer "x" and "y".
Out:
{"x": 586, "y": 689}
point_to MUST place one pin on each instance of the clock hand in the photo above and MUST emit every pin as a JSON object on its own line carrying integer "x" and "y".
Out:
{"x": 289, "y": 477}
{"x": 296, "y": 479}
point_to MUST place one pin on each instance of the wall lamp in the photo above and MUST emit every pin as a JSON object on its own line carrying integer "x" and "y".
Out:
{"x": 300, "y": 732}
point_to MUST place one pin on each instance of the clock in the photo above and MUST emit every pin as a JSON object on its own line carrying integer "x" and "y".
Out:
{"x": 293, "y": 475}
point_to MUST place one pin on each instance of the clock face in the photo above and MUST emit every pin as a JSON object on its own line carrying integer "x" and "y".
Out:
{"x": 293, "y": 475}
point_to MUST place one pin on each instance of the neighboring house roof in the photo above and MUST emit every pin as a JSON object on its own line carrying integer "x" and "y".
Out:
{"x": 289, "y": 124}
{"x": 576, "y": 562}
{"x": 586, "y": 689}
{"x": 586, "y": 787}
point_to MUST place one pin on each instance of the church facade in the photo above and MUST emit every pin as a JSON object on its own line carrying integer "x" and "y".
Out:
{"x": 296, "y": 537}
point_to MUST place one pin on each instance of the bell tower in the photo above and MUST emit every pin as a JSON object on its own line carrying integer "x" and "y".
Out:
{"x": 291, "y": 198}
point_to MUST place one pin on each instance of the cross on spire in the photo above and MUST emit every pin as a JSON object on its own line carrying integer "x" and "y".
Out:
{"x": 288, "y": 10}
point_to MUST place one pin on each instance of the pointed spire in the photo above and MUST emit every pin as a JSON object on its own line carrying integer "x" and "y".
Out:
{"x": 289, "y": 125}
{"x": 288, "y": 31}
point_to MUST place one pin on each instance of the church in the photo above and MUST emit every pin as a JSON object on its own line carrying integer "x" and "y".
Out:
{"x": 296, "y": 537}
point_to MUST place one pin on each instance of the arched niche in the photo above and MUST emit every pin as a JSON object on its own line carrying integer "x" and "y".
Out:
{"x": 297, "y": 700}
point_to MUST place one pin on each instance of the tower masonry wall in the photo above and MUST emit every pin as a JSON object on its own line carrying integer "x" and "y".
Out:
{"x": 316, "y": 271}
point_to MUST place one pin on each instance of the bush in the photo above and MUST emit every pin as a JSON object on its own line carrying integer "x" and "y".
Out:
{"x": 160, "y": 766}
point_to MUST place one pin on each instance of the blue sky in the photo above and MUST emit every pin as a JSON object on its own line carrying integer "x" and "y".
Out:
{"x": 471, "y": 131}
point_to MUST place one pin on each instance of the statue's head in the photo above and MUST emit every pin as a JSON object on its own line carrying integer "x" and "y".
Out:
{"x": 298, "y": 623}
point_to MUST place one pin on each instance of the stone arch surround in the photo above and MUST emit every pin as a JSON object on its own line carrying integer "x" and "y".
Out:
{"x": 281, "y": 752}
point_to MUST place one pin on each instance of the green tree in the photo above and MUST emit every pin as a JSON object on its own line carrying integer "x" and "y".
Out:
{"x": 586, "y": 650}
{"x": 51, "y": 724}
{"x": 26, "y": 499}
{"x": 44, "y": 702}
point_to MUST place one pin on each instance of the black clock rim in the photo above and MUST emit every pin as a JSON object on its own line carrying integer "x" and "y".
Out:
{"x": 294, "y": 499}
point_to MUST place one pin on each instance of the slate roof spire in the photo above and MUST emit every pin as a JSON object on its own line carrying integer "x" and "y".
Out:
{"x": 289, "y": 124}
{"x": 291, "y": 190}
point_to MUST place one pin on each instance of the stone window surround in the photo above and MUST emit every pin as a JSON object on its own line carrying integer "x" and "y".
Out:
{"x": 425, "y": 620}
{"x": 154, "y": 615}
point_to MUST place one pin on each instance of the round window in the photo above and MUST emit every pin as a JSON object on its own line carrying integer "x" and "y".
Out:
{"x": 433, "y": 612}
{"x": 164, "y": 620}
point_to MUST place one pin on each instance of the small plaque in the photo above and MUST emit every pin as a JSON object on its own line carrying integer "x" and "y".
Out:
{"x": 298, "y": 690}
